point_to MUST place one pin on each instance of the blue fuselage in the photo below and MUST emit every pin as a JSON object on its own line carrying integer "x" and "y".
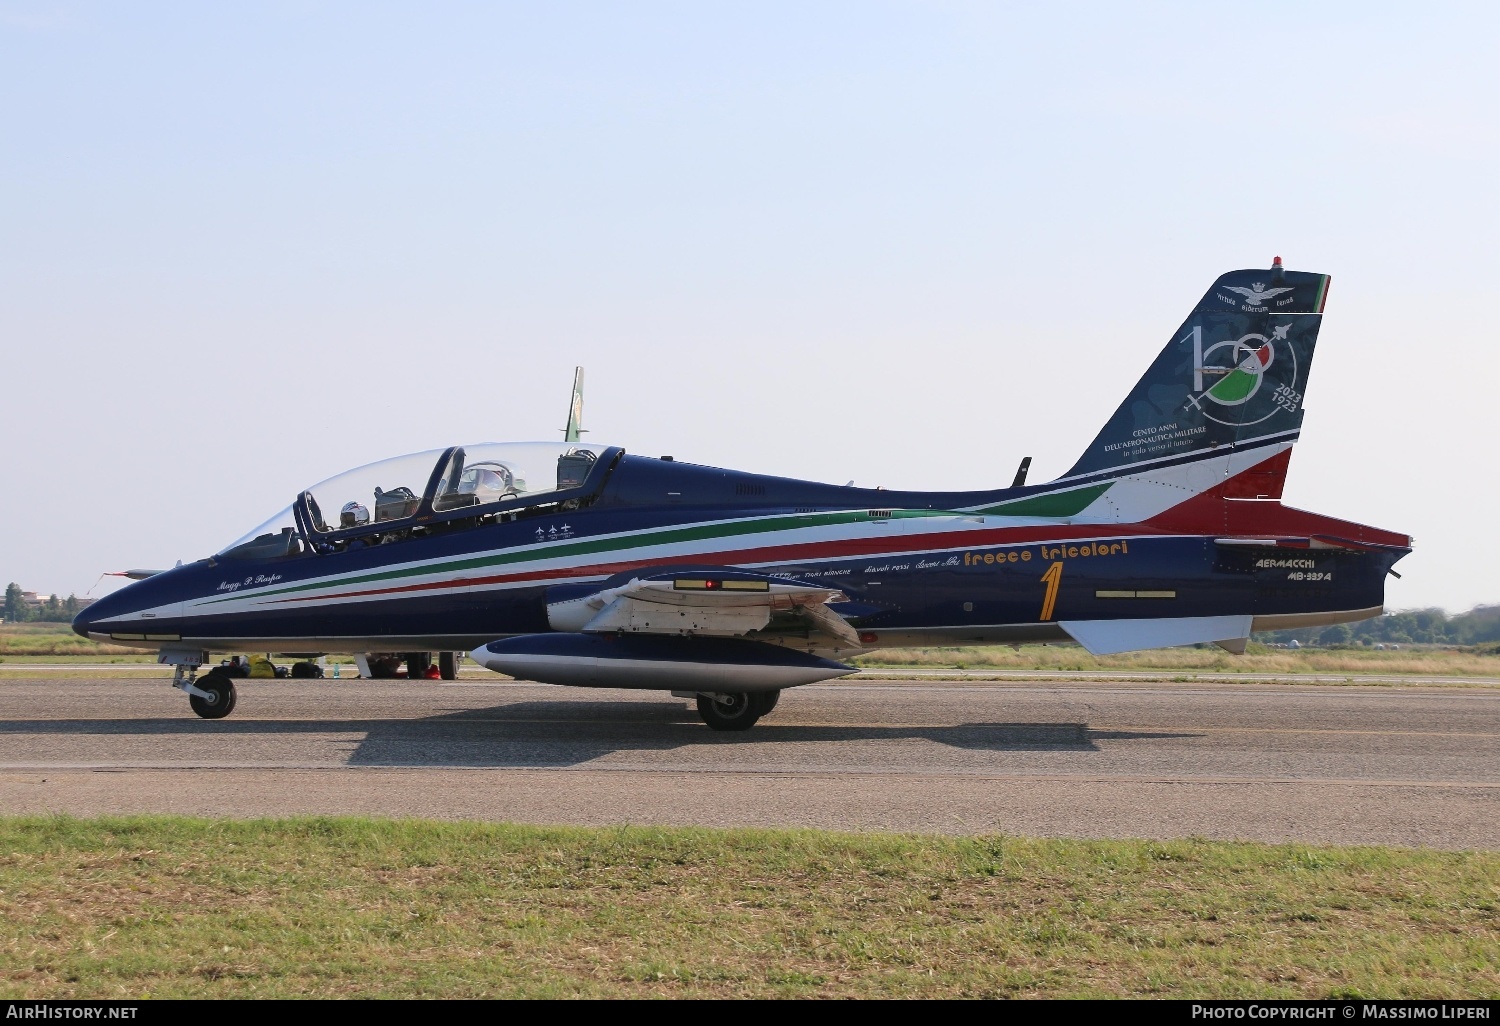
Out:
{"x": 914, "y": 567}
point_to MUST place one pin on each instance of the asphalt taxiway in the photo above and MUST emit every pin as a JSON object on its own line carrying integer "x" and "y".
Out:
{"x": 1240, "y": 759}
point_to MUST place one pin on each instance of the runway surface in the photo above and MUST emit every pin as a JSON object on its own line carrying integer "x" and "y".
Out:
{"x": 1346, "y": 765}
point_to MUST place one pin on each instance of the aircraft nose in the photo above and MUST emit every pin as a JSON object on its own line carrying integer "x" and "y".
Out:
{"x": 101, "y": 609}
{"x": 83, "y": 622}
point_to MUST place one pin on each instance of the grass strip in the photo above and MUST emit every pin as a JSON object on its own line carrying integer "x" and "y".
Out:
{"x": 176, "y": 907}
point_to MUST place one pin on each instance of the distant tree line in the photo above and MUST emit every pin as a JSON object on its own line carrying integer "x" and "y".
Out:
{"x": 54, "y": 609}
{"x": 1479, "y": 626}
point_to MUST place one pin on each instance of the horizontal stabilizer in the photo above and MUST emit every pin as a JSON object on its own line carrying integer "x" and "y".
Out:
{"x": 1106, "y": 637}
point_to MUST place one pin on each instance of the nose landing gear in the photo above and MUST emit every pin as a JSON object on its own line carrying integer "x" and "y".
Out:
{"x": 211, "y": 696}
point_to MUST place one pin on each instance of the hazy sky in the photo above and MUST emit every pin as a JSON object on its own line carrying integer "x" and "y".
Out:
{"x": 242, "y": 249}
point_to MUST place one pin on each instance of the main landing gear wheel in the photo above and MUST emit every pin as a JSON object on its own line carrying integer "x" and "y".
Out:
{"x": 222, "y": 696}
{"x": 734, "y": 711}
{"x": 765, "y": 701}
{"x": 448, "y": 665}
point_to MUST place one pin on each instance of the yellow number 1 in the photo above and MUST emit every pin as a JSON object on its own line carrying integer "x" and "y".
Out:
{"x": 1053, "y": 577}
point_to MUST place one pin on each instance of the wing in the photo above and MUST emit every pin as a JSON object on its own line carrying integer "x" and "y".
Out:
{"x": 724, "y": 603}
{"x": 1247, "y": 293}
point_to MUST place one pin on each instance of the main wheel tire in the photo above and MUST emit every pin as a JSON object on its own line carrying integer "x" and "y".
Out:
{"x": 448, "y": 665}
{"x": 765, "y": 701}
{"x": 417, "y": 664}
{"x": 224, "y": 696}
{"x": 739, "y": 713}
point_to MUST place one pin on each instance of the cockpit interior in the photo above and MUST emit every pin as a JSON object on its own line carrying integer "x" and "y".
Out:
{"x": 430, "y": 492}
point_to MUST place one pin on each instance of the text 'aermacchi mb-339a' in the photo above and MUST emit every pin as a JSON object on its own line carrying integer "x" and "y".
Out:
{"x": 585, "y": 565}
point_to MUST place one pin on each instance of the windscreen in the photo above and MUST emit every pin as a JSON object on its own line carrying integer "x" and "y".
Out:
{"x": 277, "y": 532}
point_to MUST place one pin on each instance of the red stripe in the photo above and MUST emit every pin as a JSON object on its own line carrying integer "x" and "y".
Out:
{"x": 771, "y": 554}
{"x": 1218, "y": 511}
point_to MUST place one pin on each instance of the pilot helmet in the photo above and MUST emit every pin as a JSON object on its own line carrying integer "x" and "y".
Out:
{"x": 353, "y": 515}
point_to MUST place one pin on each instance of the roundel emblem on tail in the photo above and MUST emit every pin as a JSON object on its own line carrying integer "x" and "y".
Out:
{"x": 1233, "y": 373}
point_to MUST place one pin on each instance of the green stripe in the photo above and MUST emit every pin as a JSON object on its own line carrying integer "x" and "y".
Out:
{"x": 1053, "y": 504}
{"x": 583, "y": 548}
{"x": 1072, "y": 501}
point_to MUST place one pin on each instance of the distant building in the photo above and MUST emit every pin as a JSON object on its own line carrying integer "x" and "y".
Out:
{"x": 37, "y": 599}
{"x": 36, "y": 602}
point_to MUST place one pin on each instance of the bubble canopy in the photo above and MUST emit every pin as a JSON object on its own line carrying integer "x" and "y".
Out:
{"x": 393, "y": 492}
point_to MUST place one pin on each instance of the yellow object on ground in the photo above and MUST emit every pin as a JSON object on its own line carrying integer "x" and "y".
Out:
{"x": 260, "y": 666}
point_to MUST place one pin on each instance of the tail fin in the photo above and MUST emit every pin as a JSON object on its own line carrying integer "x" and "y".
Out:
{"x": 574, "y": 431}
{"x": 1231, "y": 377}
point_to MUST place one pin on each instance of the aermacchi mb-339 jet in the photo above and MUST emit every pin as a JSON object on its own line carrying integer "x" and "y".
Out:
{"x": 583, "y": 565}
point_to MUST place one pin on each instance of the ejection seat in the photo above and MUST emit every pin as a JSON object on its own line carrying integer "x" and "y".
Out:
{"x": 395, "y": 504}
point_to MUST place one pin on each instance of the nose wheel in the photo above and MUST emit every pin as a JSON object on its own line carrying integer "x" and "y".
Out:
{"x": 213, "y": 696}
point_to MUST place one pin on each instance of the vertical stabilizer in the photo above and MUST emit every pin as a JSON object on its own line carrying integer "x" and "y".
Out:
{"x": 1232, "y": 377}
{"x": 574, "y": 431}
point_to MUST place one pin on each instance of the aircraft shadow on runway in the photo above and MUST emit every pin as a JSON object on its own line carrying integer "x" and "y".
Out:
{"x": 562, "y": 734}
{"x": 539, "y": 734}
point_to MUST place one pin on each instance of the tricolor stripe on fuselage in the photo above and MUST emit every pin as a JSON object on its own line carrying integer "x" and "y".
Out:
{"x": 1113, "y": 509}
